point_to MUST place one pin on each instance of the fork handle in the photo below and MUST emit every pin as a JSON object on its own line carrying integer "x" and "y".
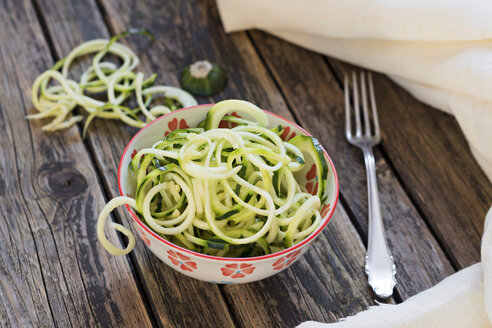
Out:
{"x": 380, "y": 267}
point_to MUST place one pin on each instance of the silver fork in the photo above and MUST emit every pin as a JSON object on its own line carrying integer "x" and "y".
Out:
{"x": 380, "y": 267}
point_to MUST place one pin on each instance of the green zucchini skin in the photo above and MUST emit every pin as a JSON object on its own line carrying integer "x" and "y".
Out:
{"x": 311, "y": 146}
{"x": 213, "y": 83}
{"x": 227, "y": 215}
{"x": 105, "y": 88}
{"x": 248, "y": 202}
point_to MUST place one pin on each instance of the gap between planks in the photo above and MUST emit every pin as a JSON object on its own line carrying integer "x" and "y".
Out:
{"x": 342, "y": 200}
{"x": 266, "y": 44}
{"x": 105, "y": 192}
{"x": 397, "y": 175}
{"x": 272, "y": 79}
{"x": 396, "y": 297}
{"x": 136, "y": 271}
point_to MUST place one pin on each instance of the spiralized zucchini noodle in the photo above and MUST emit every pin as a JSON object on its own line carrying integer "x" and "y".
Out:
{"x": 224, "y": 192}
{"x": 102, "y": 88}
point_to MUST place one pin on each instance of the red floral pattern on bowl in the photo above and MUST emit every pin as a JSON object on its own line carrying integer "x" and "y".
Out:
{"x": 286, "y": 260}
{"x": 174, "y": 124}
{"x": 213, "y": 268}
{"x": 140, "y": 231}
{"x": 312, "y": 189}
{"x": 312, "y": 185}
{"x": 182, "y": 261}
{"x": 286, "y": 135}
{"x": 326, "y": 208}
{"x": 142, "y": 235}
{"x": 237, "y": 270}
{"x": 228, "y": 124}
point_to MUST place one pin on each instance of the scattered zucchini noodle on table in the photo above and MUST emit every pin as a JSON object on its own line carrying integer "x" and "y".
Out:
{"x": 102, "y": 88}
{"x": 225, "y": 192}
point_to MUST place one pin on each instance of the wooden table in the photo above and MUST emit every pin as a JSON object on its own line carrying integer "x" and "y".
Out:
{"x": 52, "y": 186}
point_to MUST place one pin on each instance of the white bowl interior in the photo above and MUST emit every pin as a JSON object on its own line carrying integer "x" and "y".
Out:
{"x": 191, "y": 117}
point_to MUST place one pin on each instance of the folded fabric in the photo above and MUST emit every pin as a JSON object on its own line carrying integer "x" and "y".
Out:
{"x": 464, "y": 299}
{"x": 441, "y": 50}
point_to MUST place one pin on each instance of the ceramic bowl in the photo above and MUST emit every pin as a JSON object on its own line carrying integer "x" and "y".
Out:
{"x": 212, "y": 268}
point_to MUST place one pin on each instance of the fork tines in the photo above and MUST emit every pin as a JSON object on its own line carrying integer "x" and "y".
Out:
{"x": 365, "y": 119}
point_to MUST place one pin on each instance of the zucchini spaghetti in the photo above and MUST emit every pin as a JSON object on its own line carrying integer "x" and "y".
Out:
{"x": 225, "y": 192}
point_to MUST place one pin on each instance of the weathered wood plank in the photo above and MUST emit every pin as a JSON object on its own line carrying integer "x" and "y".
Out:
{"x": 316, "y": 99}
{"x": 202, "y": 37}
{"x": 51, "y": 273}
{"x": 172, "y": 296}
{"x": 432, "y": 158}
{"x": 333, "y": 266}
{"x": 188, "y": 31}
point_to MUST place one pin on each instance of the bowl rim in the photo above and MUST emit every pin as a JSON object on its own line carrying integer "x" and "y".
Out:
{"x": 311, "y": 237}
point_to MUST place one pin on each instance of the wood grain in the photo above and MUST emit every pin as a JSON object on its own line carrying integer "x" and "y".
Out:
{"x": 51, "y": 273}
{"x": 178, "y": 43}
{"x": 314, "y": 288}
{"x": 433, "y": 160}
{"x": 202, "y": 37}
{"x": 54, "y": 273}
{"x": 172, "y": 295}
{"x": 314, "y": 95}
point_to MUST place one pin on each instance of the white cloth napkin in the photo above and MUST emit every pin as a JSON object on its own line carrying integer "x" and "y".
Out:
{"x": 464, "y": 299}
{"x": 439, "y": 50}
